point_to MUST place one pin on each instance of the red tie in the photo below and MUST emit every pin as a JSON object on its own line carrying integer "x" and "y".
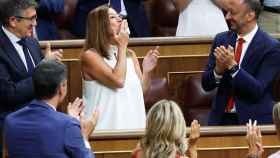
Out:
{"x": 237, "y": 55}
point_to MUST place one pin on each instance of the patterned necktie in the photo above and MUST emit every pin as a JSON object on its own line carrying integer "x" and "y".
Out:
{"x": 116, "y": 4}
{"x": 237, "y": 56}
{"x": 30, "y": 66}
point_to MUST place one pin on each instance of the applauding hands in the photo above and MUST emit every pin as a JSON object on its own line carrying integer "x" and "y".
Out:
{"x": 193, "y": 138}
{"x": 150, "y": 60}
{"x": 224, "y": 59}
{"x": 254, "y": 140}
{"x": 49, "y": 54}
{"x": 75, "y": 109}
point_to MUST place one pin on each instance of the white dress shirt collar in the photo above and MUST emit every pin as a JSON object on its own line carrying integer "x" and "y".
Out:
{"x": 13, "y": 38}
{"x": 249, "y": 36}
{"x": 52, "y": 106}
{"x": 248, "y": 39}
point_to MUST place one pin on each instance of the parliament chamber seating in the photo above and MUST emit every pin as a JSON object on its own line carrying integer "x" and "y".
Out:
{"x": 176, "y": 77}
{"x": 162, "y": 16}
{"x": 191, "y": 56}
{"x": 214, "y": 142}
{"x": 195, "y": 102}
{"x": 158, "y": 90}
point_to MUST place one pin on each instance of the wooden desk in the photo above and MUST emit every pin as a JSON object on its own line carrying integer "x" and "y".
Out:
{"x": 169, "y": 46}
{"x": 215, "y": 142}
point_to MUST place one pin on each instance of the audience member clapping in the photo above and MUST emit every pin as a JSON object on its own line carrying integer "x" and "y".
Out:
{"x": 254, "y": 137}
{"x": 165, "y": 134}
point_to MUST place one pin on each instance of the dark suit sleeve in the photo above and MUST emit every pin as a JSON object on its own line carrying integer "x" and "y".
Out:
{"x": 254, "y": 87}
{"x": 74, "y": 143}
{"x": 208, "y": 78}
{"x": 13, "y": 93}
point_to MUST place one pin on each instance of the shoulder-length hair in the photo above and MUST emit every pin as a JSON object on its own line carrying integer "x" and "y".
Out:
{"x": 165, "y": 131}
{"x": 98, "y": 31}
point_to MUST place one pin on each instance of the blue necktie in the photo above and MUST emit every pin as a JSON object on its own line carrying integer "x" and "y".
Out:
{"x": 29, "y": 63}
{"x": 116, "y": 4}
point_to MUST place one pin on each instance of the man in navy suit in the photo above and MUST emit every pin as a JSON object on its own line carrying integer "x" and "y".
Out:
{"x": 38, "y": 130}
{"x": 136, "y": 17}
{"x": 19, "y": 54}
{"x": 242, "y": 65}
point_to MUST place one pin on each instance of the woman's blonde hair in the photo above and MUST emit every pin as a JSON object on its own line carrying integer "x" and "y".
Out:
{"x": 98, "y": 31}
{"x": 276, "y": 114}
{"x": 165, "y": 131}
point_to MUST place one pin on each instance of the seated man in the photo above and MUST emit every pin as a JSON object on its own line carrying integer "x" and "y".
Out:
{"x": 38, "y": 130}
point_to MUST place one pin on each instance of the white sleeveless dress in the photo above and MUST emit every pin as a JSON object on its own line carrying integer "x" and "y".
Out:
{"x": 121, "y": 108}
{"x": 201, "y": 18}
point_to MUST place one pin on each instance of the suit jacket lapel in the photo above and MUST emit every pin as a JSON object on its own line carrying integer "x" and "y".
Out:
{"x": 232, "y": 38}
{"x": 11, "y": 51}
{"x": 252, "y": 52}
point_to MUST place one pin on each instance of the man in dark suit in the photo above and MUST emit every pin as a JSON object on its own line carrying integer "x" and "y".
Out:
{"x": 19, "y": 54}
{"x": 136, "y": 17}
{"x": 38, "y": 130}
{"x": 243, "y": 77}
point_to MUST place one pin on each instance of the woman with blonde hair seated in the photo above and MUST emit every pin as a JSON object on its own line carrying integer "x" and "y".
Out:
{"x": 165, "y": 135}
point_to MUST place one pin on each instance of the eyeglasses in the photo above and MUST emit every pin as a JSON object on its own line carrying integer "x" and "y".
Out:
{"x": 32, "y": 18}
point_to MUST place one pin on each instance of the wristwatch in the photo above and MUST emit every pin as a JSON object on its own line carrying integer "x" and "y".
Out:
{"x": 234, "y": 69}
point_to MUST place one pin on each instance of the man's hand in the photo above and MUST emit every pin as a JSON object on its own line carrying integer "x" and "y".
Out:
{"x": 75, "y": 108}
{"x": 88, "y": 125}
{"x": 224, "y": 59}
{"x": 49, "y": 54}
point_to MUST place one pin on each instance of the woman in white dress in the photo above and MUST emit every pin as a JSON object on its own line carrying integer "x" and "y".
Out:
{"x": 112, "y": 78}
{"x": 200, "y": 18}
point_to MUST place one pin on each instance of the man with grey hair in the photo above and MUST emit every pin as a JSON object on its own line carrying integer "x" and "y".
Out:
{"x": 19, "y": 54}
{"x": 242, "y": 65}
{"x": 38, "y": 130}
